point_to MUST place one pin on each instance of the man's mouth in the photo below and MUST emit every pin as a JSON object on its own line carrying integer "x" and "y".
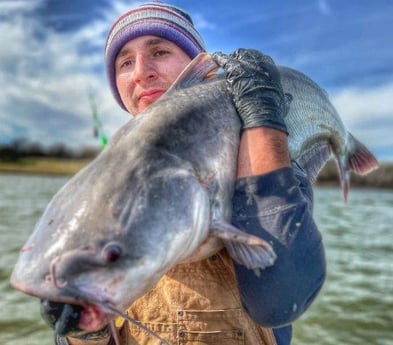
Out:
{"x": 150, "y": 95}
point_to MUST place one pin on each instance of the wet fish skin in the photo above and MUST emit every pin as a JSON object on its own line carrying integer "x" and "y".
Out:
{"x": 159, "y": 194}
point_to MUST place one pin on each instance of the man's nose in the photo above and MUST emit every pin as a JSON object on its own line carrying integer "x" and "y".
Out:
{"x": 144, "y": 69}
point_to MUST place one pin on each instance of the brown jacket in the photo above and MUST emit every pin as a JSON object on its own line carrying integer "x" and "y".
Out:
{"x": 195, "y": 304}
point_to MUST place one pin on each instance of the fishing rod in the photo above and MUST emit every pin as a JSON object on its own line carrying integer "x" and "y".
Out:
{"x": 98, "y": 129}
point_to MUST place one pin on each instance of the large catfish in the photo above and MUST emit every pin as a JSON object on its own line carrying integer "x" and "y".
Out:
{"x": 160, "y": 194}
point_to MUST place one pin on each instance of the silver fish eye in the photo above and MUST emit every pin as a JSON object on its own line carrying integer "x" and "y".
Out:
{"x": 112, "y": 252}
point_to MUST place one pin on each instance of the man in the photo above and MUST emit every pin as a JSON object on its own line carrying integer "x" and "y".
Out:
{"x": 216, "y": 301}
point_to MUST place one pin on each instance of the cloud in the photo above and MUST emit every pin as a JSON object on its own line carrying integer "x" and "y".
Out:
{"x": 8, "y": 7}
{"x": 46, "y": 75}
{"x": 362, "y": 105}
{"x": 324, "y": 7}
{"x": 46, "y": 72}
{"x": 201, "y": 23}
{"x": 368, "y": 114}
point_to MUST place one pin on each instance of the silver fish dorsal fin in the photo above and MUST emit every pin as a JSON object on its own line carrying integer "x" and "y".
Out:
{"x": 201, "y": 68}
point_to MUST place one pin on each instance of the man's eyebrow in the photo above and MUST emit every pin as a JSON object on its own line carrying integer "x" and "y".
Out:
{"x": 154, "y": 41}
{"x": 149, "y": 43}
{"x": 122, "y": 52}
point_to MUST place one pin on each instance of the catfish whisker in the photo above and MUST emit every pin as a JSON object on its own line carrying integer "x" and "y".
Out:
{"x": 135, "y": 322}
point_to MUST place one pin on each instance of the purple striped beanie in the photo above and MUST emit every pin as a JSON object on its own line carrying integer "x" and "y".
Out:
{"x": 156, "y": 19}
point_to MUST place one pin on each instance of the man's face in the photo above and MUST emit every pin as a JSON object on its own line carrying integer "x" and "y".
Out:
{"x": 145, "y": 68}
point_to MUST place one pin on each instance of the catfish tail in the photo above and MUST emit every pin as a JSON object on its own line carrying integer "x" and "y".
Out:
{"x": 360, "y": 160}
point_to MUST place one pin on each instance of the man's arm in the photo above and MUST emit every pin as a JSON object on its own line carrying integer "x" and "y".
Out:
{"x": 273, "y": 203}
{"x": 272, "y": 199}
{"x": 261, "y": 150}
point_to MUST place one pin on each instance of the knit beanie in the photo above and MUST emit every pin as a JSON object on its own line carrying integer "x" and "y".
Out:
{"x": 156, "y": 19}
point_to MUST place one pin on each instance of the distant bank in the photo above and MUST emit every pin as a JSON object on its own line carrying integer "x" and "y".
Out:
{"x": 380, "y": 178}
{"x": 43, "y": 166}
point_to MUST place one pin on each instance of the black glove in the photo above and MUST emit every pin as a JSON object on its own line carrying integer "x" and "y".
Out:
{"x": 64, "y": 319}
{"x": 254, "y": 82}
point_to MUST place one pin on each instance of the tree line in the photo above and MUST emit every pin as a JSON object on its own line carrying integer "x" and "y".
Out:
{"x": 22, "y": 147}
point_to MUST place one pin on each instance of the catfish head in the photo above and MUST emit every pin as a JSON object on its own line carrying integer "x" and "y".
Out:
{"x": 100, "y": 247}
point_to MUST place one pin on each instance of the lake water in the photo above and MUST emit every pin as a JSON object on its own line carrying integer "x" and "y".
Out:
{"x": 354, "y": 307}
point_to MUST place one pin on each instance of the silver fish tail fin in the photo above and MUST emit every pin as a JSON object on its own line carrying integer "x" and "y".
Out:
{"x": 248, "y": 250}
{"x": 360, "y": 160}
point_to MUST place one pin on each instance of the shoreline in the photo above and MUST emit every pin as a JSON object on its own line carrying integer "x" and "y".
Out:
{"x": 380, "y": 178}
{"x": 44, "y": 166}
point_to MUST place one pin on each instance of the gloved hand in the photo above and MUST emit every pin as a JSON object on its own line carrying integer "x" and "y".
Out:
{"x": 64, "y": 319}
{"x": 254, "y": 82}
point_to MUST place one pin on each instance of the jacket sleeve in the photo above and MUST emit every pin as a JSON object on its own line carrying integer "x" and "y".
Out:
{"x": 278, "y": 207}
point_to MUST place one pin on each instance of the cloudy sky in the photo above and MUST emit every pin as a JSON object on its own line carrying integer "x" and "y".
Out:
{"x": 51, "y": 57}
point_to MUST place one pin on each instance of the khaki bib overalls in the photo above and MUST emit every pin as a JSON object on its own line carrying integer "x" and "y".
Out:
{"x": 195, "y": 304}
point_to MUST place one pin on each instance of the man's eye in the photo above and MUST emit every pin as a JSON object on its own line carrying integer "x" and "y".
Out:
{"x": 159, "y": 53}
{"x": 126, "y": 63}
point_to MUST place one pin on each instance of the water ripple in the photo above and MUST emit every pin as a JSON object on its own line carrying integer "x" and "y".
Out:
{"x": 354, "y": 307}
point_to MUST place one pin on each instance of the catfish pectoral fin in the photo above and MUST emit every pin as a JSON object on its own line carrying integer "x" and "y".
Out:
{"x": 248, "y": 250}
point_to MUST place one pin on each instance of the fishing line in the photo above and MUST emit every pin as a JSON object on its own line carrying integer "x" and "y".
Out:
{"x": 135, "y": 322}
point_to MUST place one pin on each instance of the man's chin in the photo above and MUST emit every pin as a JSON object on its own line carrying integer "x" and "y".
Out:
{"x": 146, "y": 101}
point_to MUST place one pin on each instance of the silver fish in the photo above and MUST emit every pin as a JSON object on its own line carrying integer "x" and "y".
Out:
{"x": 160, "y": 194}
{"x": 316, "y": 131}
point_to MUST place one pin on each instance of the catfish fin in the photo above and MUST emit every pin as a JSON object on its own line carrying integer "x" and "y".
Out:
{"x": 248, "y": 250}
{"x": 202, "y": 67}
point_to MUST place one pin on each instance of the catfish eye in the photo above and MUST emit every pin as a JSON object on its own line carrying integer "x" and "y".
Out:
{"x": 111, "y": 252}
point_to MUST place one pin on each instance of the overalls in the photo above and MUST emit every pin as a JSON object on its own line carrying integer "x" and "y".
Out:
{"x": 195, "y": 304}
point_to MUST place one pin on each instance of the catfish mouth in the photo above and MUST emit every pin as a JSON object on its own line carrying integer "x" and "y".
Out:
{"x": 82, "y": 310}
{"x": 72, "y": 310}
{"x": 71, "y": 318}
{"x": 92, "y": 317}
{"x": 72, "y": 307}
{"x": 95, "y": 314}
